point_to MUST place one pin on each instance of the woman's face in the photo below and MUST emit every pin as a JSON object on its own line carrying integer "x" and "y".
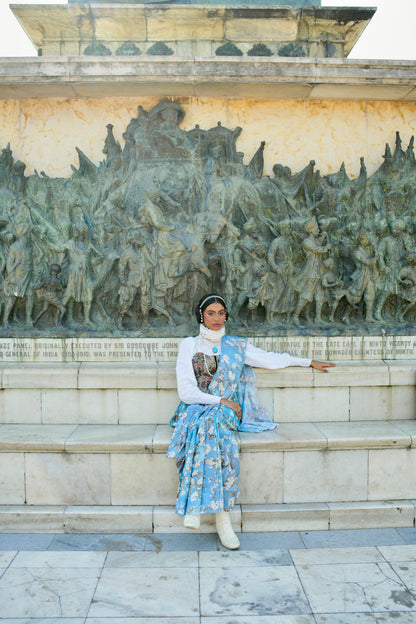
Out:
{"x": 214, "y": 316}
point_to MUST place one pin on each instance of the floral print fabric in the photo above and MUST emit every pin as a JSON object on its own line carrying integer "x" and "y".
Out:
{"x": 204, "y": 442}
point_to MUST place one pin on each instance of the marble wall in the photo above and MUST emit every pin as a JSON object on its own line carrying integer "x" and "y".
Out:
{"x": 43, "y": 132}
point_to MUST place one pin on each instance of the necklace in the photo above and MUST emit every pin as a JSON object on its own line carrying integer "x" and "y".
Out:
{"x": 211, "y": 335}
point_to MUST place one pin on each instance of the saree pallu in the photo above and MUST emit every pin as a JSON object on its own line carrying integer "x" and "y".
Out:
{"x": 205, "y": 443}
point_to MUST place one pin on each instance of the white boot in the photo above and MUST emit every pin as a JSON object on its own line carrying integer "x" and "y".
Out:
{"x": 191, "y": 521}
{"x": 225, "y": 531}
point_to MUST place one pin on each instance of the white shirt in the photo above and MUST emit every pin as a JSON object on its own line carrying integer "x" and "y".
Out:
{"x": 187, "y": 385}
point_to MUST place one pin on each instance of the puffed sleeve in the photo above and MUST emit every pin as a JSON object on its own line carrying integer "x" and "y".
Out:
{"x": 186, "y": 381}
{"x": 269, "y": 359}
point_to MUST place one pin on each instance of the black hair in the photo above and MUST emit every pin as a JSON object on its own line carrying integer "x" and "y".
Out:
{"x": 206, "y": 301}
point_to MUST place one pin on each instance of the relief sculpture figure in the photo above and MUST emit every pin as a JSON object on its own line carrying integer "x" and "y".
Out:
{"x": 171, "y": 213}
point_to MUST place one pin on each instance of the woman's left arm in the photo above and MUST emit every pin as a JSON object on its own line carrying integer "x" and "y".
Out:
{"x": 270, "y": 359}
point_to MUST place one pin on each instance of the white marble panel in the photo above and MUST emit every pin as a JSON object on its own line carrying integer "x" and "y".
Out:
{"x": 408, "y": 427}
{"x": 95, "y": 438}
{"x": 363, "y": 434}
{"x": 288, "y": 436}
{"x": 147, "y": 406}
{"x": 12, "y": 479}
{"x": 357, "y": 348}
{"x": 371, "y": 403}
{"x": 391, "y": 474}
{"x": 79, "y": 406}
{"x": 31, "y": 518}
{"x": 403, "y": 400}
{"x": 338, "y": 348}
{"x": 326, "y": 556}
{"x": 145, "y": 592}
{"x": 261, "y": 478}
{"x": 404, "y": 347}
{"x": 143, "y": 479}
{"x": 47, "y": 592}
{"x": 361, "y": 515}
{"x": 317, "y": 348}
{"x": 20, "y": 406}
{"x": 117, "y": 375}
{"x": 402, "y": 373}
{"x": 310, "y": 517}
{"x": 354, "y": 373}
{"x": 67, "y": 479}
{"x": 40, "y": 375}
{"x": 96, "y": 519}
{"x": 255, "y": 591}
{"x": 352, "y": 587}
{"x": 308, "y": 405}
{"x": 325, "y": 476}
{"x": 34, "y": 437}
{"x": 373, "y": 347}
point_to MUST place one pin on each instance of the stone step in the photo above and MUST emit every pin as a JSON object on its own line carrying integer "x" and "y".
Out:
{"x": 245, "y": 518}
{"x": 120, "y": 393}
{"x": 332, "y": 462}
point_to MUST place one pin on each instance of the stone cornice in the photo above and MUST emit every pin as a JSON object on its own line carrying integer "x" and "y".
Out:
{"x": 225, "y": 77}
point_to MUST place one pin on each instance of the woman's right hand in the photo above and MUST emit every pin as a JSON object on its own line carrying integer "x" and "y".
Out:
{"x": 233, "y": 405}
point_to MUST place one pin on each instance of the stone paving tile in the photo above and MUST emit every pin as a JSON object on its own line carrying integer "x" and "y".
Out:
{"x": 140, "y": 620}
{"x": 260, "y": 619}
{"x": 395, "y": 617}
{"x": 149, "y": 559}
{"x": 358, "y": 587}
{"x": 270, "y": 541}
{"x": 47, "y": 592}
{"x": 148, "y": 592}
{"x": 25, "y": 541}
{"x": 55, "y": 559}
{"x": 7, "y": 557}
{"x": 399, "y": 553}
{"x": 178, "y": 541}
{"x": 116, "y": 542}
{"x": 406, "y": 571}
{"x": 365, "y": 554}
{"x": 239, "y": 558}
{"x": 255, "y": 591}
{"x": 408, "y": 534}
{"x": 51, "y": 620}
{"x": 351, "y": 537}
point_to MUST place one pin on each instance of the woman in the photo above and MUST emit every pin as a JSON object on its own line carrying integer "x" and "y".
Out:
{"x": 216, "y": 385}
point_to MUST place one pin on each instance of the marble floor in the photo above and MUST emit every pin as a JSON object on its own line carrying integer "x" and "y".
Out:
{"x": 317, "y": 577}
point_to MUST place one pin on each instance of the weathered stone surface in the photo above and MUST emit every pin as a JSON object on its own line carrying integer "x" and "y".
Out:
{"x": 101, "y": 30}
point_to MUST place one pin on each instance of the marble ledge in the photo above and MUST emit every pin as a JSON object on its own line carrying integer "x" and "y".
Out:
{"x": 95, "y": 519}
{"x": 307, "y": 78}
{"x": 161, "y": 375}
{"x": 135, "y": 439}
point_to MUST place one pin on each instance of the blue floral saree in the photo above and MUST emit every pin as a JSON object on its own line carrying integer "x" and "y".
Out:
{"x": 204, "y": 442}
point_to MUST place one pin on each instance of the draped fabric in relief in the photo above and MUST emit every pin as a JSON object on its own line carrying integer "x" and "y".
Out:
{"x": 204, "y": 442}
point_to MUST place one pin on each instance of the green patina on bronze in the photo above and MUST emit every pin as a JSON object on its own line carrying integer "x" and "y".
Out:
{"x": 129, "y": 244}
